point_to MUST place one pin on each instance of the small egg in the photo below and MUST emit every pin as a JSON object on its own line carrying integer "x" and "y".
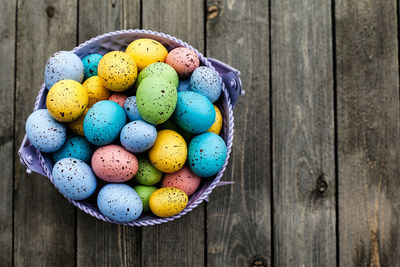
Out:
{"x": 113, "y": 163}
{"x": 44, "y": 132}
{"x": 63, "y": 65}
{"x": 217, "y": 125}
{"x": 184, "y": 179}
{"x": 131, "y": 109}
{"x": 117, "y": 71}
{"x": 138, "y": 136}
{"x": 207, "y": 154}
{"x": 147, "y": 174}
{"x": 171, "y": 125}
{"x": 168, "y": 201}
{"x": 184, "y": 85}
{"x": 159, "y": 69}
{"x": 169, "y": 152}
{"x": 96, "y": 91}
{"x": 74, "y": 178}
{"x": 144, "y": 192}
{"x": 118, "y": 98}
{"x": 146, "y": 51}
{"x": 194, "y": 112}
{"x": 183, "y": 60}
{"x": 206, "y": 82}
{"x": 119, "y": 202}
{"x": 90, "y": 64}
{"x": 74, "y": 147}
{"x": 104, "y": 122}
{"x": 76, "y": 126}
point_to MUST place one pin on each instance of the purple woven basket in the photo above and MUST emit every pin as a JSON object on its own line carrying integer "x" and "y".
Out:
{"x": 41, "y": 163}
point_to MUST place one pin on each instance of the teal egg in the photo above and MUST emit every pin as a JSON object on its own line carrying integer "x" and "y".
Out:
{"x": 75, "y": 147}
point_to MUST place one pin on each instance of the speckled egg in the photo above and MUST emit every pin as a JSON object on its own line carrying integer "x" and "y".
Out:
{"x": 113, "y": 163}
{"x": 104, "y": 122}
{"x": 194, "y": 112}
{"x": 184, "y": 179}
{"x": 76, "y": 126}
{"x": 171, "y": 125}
{"x": 131, "y": 109}
{"x": 67, "y": 100}
{"x": 147, "y": 174}
{"x": 146, "y": 52}
{"x": 74, "y": 178}
{"x": 44, "y": 132}
{"x": 120, "y": 203}
{"x": 75, "y": 147}
{"x": 117, "y": 71}
{"x": 138, "y": 136}
{"x": 90, "y": 64}
{"x": 169, "y": 152}
{"x": 96, "y": 91}
{"x": 168, "y": 201}
{"x": 183, "y": 60}
{"x": 159, "y": 69}
{"x": 207, "y": 154}
{"x": 206, "y": 82}
{"x": 118, "y": 98}
{"x": 217, "y": 125}
{"x": 144, "y": 192}
{"x": 63, "y": 65}
{"x": 184, "y": 85}
{"x": 156, "y": 100}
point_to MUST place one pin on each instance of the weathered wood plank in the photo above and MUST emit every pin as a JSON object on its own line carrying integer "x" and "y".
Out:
{"x": 238, "y": 216}
{"x": 178, "y": 243}
{"x": 368, "y": 133}
{"x": 44, "y": 222}
{"x": 100, "y": 243}
{"x": 7, "y": 71}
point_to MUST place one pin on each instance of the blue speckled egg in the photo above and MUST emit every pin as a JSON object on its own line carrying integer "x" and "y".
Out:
{"x": 207, "y": 154}
{"x": 119, "y": 202}
{"x": 63, "y": 65}
{"x": 183, "y": 85}
{"x": 90, "y": 63}
{"x": 138, "y": 136}
{"x": 74, "y": 178}
{"x": 44, "y": 132}
{"x": 131, "y": 109}
{"x": 206, "y": 82}
{"x": 103, "y": 122}
{"x": 194, "y": 113}
{"x": 75, "y": 147}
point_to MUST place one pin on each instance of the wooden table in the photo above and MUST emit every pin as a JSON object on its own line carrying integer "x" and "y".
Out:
{"x": 316, "y": 152}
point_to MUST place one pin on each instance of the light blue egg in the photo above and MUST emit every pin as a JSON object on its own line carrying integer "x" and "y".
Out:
{"x": 183, "y": 85}
{"x": 206, "y": 82}
{"x": 63, "y": 65}
{"x": 74, "y": 178}
{"x": 194, "y": 113}
{"x": 131, "y": 109}
{"x": 75, "y": 147}
{"x": 90, "y": 64}
{"x": 44, "y": 132}
{"x": 120, "y": 203}
{"x": 103, "y": 122}
{"x": 138, "y": 136}
{"x": 206, "y": 154}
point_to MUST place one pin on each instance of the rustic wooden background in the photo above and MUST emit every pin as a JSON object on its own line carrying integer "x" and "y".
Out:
{"x": 316, "y": 153}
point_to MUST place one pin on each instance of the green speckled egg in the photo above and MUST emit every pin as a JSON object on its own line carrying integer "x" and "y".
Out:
{"x": 159, "y": 69}
{"x": 156, "y": 99}
{"x": 144, "y": 192}
{"x": 147, "y": 174}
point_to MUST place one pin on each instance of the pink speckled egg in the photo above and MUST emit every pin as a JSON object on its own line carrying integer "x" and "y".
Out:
{"x": 113, "y": 163}
{"x": 183, "y": 60}
{"x": 118, "y": 98}
{"x": 184, "y": 179}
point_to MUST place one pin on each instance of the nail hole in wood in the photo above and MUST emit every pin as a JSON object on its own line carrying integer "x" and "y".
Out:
{"x": 322, "y": 185}
{"x": 113, "y": 4}
{"x": 50, "y": 11}
{"x": 212, "y": 12}
{"x": 258, "y": 261}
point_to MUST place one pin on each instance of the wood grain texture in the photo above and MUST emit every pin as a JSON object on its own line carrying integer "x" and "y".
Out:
{"x": 44, "y": 221}
{"x": 303, "y": 134}
{"x": 178, "y": 243}
{"x": 368, "y": 133}
{"x": 100, "y": 243}
{"x": 7, "y": 58}
{"x": 238, "y": 216}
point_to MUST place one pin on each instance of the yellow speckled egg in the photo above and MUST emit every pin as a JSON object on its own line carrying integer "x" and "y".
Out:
{"x": 168, "y": 201}
{"x": 67, "y": 100}
{"x": 217, "y": 125}
{"x": 76, "y": 126}
{"x": 96, "y": 91}
{"x": 146, "y": 52}
{"x": 117, "y": 71}
{"x": 169, "y": 152}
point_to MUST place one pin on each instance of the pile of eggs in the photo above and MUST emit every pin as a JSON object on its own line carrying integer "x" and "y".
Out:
{"x": 136, "y": 131}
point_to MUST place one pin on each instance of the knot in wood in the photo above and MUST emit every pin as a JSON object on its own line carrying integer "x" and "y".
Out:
{"x": 212, "y": 12}
{"x": 50, "y": 11}
{"x": 322, "y": 185}
{"x": 258, "y": 261}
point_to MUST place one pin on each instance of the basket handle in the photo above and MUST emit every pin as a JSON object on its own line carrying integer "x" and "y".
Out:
{"x": 28, "y": 157}
{"x": 231, "y": 78}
